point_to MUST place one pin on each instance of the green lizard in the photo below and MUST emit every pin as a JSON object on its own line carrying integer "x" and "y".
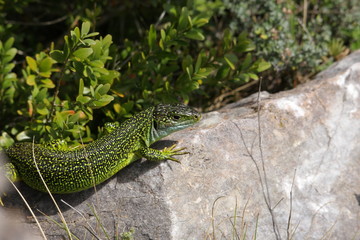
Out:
{"x": 68, "y": 171}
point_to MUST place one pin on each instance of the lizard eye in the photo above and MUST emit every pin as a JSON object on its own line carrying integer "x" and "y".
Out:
{"x": 175, "y": 117}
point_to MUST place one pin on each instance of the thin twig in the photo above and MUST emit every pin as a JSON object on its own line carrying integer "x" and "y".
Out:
{"x": 305, "y": 13}
{"x": 275, "y": 226}
{"x": 46, "y": 23}
{"x": 306, "y": 31}
{"x": 219, "y": 101}
{"x": 57, "y": 90}
{"x": 288, "y": 237}
{"x": 263, "y": 186}
{"x": 262, "y": 177}
{"x": 277, "y": 203}
{"x": 162, "y": 15}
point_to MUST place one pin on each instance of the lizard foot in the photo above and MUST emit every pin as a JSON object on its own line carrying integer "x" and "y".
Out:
{"x": 169, "y": 152}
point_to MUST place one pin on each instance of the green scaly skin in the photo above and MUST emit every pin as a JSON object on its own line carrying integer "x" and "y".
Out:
{"x": 68, "y": 171}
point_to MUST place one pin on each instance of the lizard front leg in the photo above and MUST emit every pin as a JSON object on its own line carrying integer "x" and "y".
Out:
{"x": 161, "y": 155}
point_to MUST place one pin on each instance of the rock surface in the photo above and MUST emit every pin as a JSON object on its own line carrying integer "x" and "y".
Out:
{"x": 310, "y": 139}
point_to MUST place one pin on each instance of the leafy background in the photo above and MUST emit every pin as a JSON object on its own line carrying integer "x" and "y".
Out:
{"x": 66, "y": 67}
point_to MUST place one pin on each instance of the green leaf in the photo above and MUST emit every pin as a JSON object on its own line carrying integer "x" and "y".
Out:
{"x": 187, "y": 62}
{"x": 45, "y": 74}
{"x": 109, "y": 78}
{"x": 244, "y": 44}
{"x": 184, "y": 19}
{"x": 152, "y": 37}
{"x": 59, "y": 120}
{"x": 75, "y": 117}
{"x": 103, "y": 101}
{"x": 5, "y": 140}
{"x": 8, "y": 68}
{"x": 83, "y": 99}
{"x": 45, "y": 64}
{"x": 231, "y": 65}
{"x": 76, "y": 33}
{"x": 85, "y": 28}
{"x": 42, "y": 94}
{"x": 194, "y": 34}
{"x": 203, "y": 73}
{"x": 223, "y": 72}
{"x": 81, "y": 87}
{"x": 35, "y": 92}
{"x": 96, "y": 63}
{"x": 32, "y": 63}
{"x": 102, "y": 70}
{"x": 42, "y": 111}
{"x": 30, "y": 80}
{"x": 58, "y": 56}
{"x": 245, "y": 64}
{"x": 163, "y": 35}
{"x": 83, "y": 53}
{"x": 104, "y": 89}
{"x": 79, "y": 67}
{"x": 189, "y": 72}
{"x": 93, "y": 34}
{"x": 10, "y": 54}
{"x": 24, "y": 135}
{"x": 48, "y": 83}
{"x": 262, "y": 65}
{"x": 8, "y": 81}
{"x": 106, "y": 41}
{"x": 198, "y": 62}
{"x": 198, "y": 22}
{"x": 253, "y": 76}
{"x": 8, "y": 44}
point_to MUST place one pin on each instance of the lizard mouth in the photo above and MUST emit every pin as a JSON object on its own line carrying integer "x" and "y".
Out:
{"x": 155, "y": 125}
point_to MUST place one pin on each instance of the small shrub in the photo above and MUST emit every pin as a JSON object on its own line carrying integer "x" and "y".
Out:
{"x": 58, "y": 92}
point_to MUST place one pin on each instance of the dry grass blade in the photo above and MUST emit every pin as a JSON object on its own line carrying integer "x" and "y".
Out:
{"x": 213, "y": 218}
{"x": 235, "y": 234}
{"x": 57, "y": 223}
{"x": 89, "y": 228}
{"x": 28, "y": 206}
{"x": 267, "y": 196}
{"x": 262, "y": 173}
{"x": 51, "y": 196}
{"x": 290, "y": 211}
{"x": 99, "y": 222}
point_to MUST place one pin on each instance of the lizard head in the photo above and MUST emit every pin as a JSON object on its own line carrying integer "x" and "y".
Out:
{"x": 169, "y": 118}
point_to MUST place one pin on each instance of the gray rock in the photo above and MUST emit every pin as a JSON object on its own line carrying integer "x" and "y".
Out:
{"x": 309, "y": 140}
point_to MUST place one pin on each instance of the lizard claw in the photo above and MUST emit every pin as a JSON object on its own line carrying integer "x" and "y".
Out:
{"x": 171, "y": 151}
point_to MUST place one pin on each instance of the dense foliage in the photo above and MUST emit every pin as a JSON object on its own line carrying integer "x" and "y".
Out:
{"x": 299, "y": 38}
{"x": 66, "y": 68}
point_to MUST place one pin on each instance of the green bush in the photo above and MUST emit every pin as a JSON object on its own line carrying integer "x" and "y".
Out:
{"x": 58, "y": 92}
{"x": 299, "y": 40}
{"x": 59, "y": 89}
{"x": 204, "y": 53}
